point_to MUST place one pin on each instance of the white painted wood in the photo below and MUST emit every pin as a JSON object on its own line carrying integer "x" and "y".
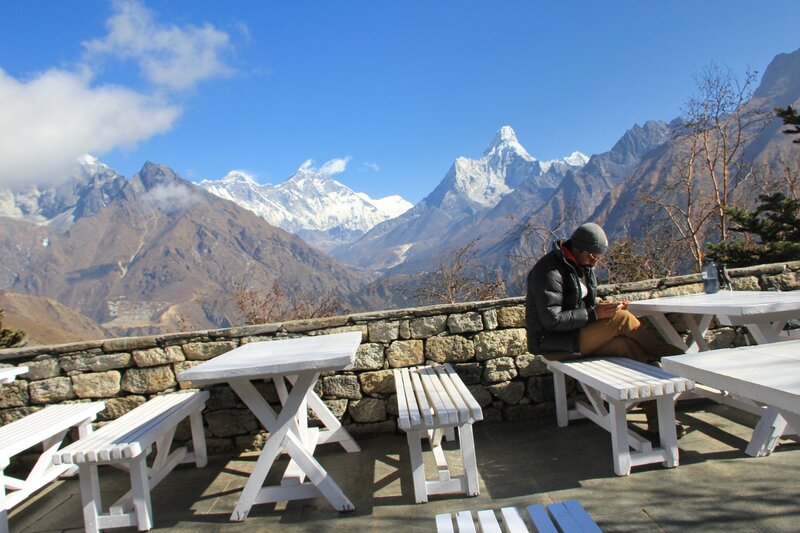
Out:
{"x": 442, "y": 403}
{"x": 766, "y": 374}
{"x": 47, "y": 428}
{"x": 285, "y": 357}
{"x": 568, "y": 516}
{"x": 127, "y": 441}
{"x": 622, "y": 383}
{"x": 9, "y": 374}
{"x": 763, "y": 313}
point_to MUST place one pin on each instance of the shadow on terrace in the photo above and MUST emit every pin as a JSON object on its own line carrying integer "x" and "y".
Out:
{"x": 716, "y": 487}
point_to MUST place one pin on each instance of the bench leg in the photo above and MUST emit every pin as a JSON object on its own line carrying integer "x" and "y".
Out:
{"x": 469, "y": 459}
{"x": 417, "y": 467}
{"x": 560, "y": 389}
{"x": 140, "y": 483}
{"x": 768, "y": 430}
{"x": 619, "y": 438}
{"x": 666, "y": 429}
{"x": 90, "y": 496}
{"x": 198, "y": 439}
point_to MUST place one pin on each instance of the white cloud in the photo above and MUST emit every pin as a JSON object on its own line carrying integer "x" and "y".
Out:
{"x": 334, "y": 166}
{"x": 171, "y": 198}
{"x": 370, "y": 166}
{"x": 169, "y": 56}
{"x": 50, "y": 119}
{"x": 48, "y": 122}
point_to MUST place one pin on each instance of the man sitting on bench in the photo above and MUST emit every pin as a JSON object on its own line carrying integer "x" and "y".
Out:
{"x": 564, "y": 320}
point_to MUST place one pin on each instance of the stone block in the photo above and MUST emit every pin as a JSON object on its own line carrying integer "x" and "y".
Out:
{"x": 148, "y": 380}
{"x": 465, "y": 322}
{"x": 428, "y": 326}
{"x": 344, "y": 386}
{"x": 10, "y": 415}
{"x": 530, "y": 365}
{"x": 202, "y": 351}
{"x": 449, "y": 349}
{"x": 500, "y": 343}
{"x": 384, "y": 331}
{"x": 510, "y": 392}
{"x": 539, "y": 389}
{"x": 369, "y": 356}
{"x": 404, "y": 331}
{"x": 52, "y": 390}
{"x": 181, "y": 366}
{"x": 97, "y": 384}
{"x": 367, "y": 410}
{"x": 511, "y": 317}
{"x": 490, "y": 319}
{"x": 387, "y": 427}
{"x": 44, "y": 368}
{"x": 157, "y": 356}
{"x": 116, "y": 407}
{"x": 379, "y": 382}
{"x": 337, "y": 407}
{"x": 482, "y": 396}
{"x": 230, "y": 422}
{"x": 499, "y": 369}
{"x": 95, "y": 363}
{"x": 14, "y": 394}
{"x": 222, "y": 397}
{"x": 405, "y": 353}
{"x": 470, "y": 373}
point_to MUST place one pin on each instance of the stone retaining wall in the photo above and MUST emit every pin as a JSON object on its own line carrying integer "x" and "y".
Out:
{"x": 485, "y": 341}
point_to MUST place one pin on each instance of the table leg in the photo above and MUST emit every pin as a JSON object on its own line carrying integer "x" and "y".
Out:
{"x": 698, "y": 331}
{"x": 766, "y": 332}
{"x": 659, "y": 320}
{"x": 286, "y": 434}
{"x": 335, "y": 432}
{"x": 768, "y": 430}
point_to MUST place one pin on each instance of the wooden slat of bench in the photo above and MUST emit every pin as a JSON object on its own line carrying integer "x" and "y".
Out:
{"x": 581, "y": 517}
{"x": 414, "y": 416}
{"x": 646, "y": 385}
{"x": 37, "y": 427}
{"x": 541, "y": 519}
{"x": 513, "y": 520}
{"x": 403, "y": 414}
{"x": 488, "y": 522}
{"x": 469, "y": 408}
{"x": 587, "y": 373}
{"x": 444, "y": 412}
{"x": 422, "y": 400}
{"x": 134, "y": 432}
{"x": 681, "y": 384}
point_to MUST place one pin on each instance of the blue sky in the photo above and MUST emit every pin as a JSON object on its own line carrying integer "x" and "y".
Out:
{"x": 387, "y": 94}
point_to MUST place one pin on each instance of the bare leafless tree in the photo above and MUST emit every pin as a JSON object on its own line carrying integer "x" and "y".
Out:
{"x": 275, "y": 303}
{"x": 536, "y": 239}
{"x": 458, "y": 277}
{"x": 717, "y": 124}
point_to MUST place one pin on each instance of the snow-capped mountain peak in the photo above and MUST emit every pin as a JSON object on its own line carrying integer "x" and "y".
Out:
{"x": 310, "y": 204}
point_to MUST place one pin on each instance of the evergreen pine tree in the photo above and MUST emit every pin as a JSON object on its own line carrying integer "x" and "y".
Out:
{"x": 776, "y": 223}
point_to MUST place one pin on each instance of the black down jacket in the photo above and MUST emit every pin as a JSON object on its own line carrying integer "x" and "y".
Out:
{"x": 554, "y": 310}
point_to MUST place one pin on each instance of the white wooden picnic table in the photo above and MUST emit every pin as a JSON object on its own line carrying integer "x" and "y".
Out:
{"x": 763, "y": 313}
{"x": 9, "y": 374}
{"x": 763, "y": 379}
{"x": 299, "y": 362}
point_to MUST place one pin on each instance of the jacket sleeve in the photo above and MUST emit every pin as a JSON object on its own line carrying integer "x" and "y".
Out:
{"x": 548, "y": 293}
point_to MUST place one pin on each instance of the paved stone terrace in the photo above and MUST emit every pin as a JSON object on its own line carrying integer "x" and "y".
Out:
{"x": 716, "y": 487}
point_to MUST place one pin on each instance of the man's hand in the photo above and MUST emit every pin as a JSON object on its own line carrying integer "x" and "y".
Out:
{"x": 608, "y": 309}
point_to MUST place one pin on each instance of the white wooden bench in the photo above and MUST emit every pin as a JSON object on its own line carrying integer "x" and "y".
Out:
{"x": 47, "y": 427}
{"x": 612, "y": 386}
{"x": 10, "y": 373}
{"x": 125, "y": 443}
{"x": 568, "y": 516}
{"x": 432, "y": 401}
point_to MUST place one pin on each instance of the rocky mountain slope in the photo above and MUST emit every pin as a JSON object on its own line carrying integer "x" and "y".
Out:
{"x": 471, "y": 188}
{"x": 151, "y": 253}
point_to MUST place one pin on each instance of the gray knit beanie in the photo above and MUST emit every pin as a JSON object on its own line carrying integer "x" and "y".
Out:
{"x": 590, "y": 237}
